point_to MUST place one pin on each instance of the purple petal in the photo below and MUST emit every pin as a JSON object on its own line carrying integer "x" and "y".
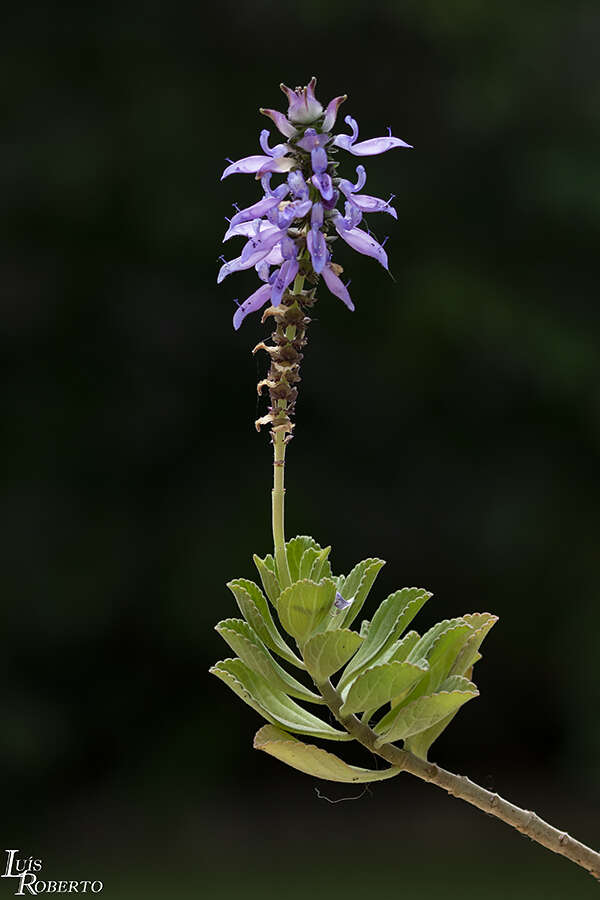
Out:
{"x": 281, "y": 122}
{"x": 332, "y": 111}
{"x": 345, "y": 141}
{"x": 274, "y": 257}
{"x": 279, "y": 192}
{"x": 285, "y": 276}
{"x": 311, "y": 140}
{"x": 370, "y": 204}
{"x": 255, "y": 211}
{"x": 340, "y": 603}
{"x": 319, "y": 161}
{"x": 347, "y": 188}
{"x": 276, "y": 164}
{"x": 317, "y": 249}
{"x": 316, "y": 216}
{"x": 278, "y": 150}
{"x": 263, "y": 240}
{"x": 245, "y": 166}
{"x": 246, "y": 229}
{"x": 362, "y": 242}
{"x": 297, "y": 184}
{"x": 239, "y": 264}
{"x": 289, "y": 250}
{"x": 324, "y": 185}
{"x": 337, "y": 287}
{"x": 255, "y": 301}
{"x": 376, "y": 145}
{"x": 297, "y": 209}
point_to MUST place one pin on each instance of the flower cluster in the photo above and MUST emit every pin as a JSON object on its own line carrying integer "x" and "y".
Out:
{"x": 290, "y": 231}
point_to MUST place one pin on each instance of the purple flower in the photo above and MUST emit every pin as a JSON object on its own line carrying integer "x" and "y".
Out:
{"x": 340, "y": 603}
{"x": 254, "y": 302}
{"x": 289, "y": 231}
{"x": 366, "y": 148}
{"x": 303, "y": 107}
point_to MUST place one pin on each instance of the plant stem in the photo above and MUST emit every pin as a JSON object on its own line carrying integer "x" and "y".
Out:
{"x": 278, "y": 507}
{"x": 278, "y": 493}
{"x": 523, "y": 820}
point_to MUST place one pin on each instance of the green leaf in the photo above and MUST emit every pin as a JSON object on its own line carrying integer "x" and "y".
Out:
{"x": 313, "y": 760}
{"x": 303, "y": 607}
{"x": 403, "y": 722}
{"x": 401, "y": 649}
{"x": 420, "y": 743}
{"x": 321, "y": 567}
{"x": 372, "y": 568}
{"x": 294, "y": 550}
{"x": 443, "y": 653}
{"x": 380, "y": 684}
{"x": 255, "y": 609}
{"x": 481, "y": 623}
{"x": 364, "y": 628}
{"x": 327, "y": 652}
{"x": 273, "y": 705}
{"x": 306, "y": 563}
{"x": 244, "y": 641}
{"x": 390, "y": 620}
{"x": 269, "y": 580}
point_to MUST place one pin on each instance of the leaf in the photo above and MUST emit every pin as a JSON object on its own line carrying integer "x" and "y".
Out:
{"x": 379, "y": 684}
{"x": 481, "y": 623}
{"x": 255, "y": 609}
{"x": 269, "y": 580}
{"x": 244, "y": 641}
{"x": 321, "y": 567}
{"x": 272, "y": 704}
{"x": 313, "y": 760}
{"x": 303, "y": 607}
{"x": 401, "y": 649}
{"x": 420, "y": 743}
{"x": 443, "y": 653}
{"x": 294, "y": 550}
{"x": 306, "y": 563}
{"x": 390, "y": 620}
{"x": 364, "y": 628}
{"x": 404, "y": 721}
{"x": 327, "y": 652}
{"x": 369, "y": 575}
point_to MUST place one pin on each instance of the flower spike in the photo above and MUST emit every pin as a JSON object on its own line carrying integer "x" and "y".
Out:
{"x": 290, "y": 231}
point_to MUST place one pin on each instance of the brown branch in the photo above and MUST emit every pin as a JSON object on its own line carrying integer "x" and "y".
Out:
{"x": 525, "y": 821}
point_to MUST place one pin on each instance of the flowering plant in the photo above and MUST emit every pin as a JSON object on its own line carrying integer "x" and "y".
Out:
{"x": 390, "y": 684}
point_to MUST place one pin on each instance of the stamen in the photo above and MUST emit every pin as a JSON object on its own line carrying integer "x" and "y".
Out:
{"x": 384, "y": 241}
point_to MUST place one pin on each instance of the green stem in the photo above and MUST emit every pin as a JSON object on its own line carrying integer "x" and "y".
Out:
{"x": 278, "y": 503}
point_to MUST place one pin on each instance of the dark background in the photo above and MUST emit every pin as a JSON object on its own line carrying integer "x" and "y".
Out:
{"x": 451, "y": 425}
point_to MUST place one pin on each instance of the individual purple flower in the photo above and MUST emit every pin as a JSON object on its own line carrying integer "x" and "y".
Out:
{"x": 361, "y": 241}
{"x": 337, "y": 286}
{"x": 303, "y": 106}
{"x": 320, "y": 179}
{"x": 290, "y": 230}
{"x": 254, "y": 302}
{"x": 340, "y": 603}
{"x": 372, "y": 147}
